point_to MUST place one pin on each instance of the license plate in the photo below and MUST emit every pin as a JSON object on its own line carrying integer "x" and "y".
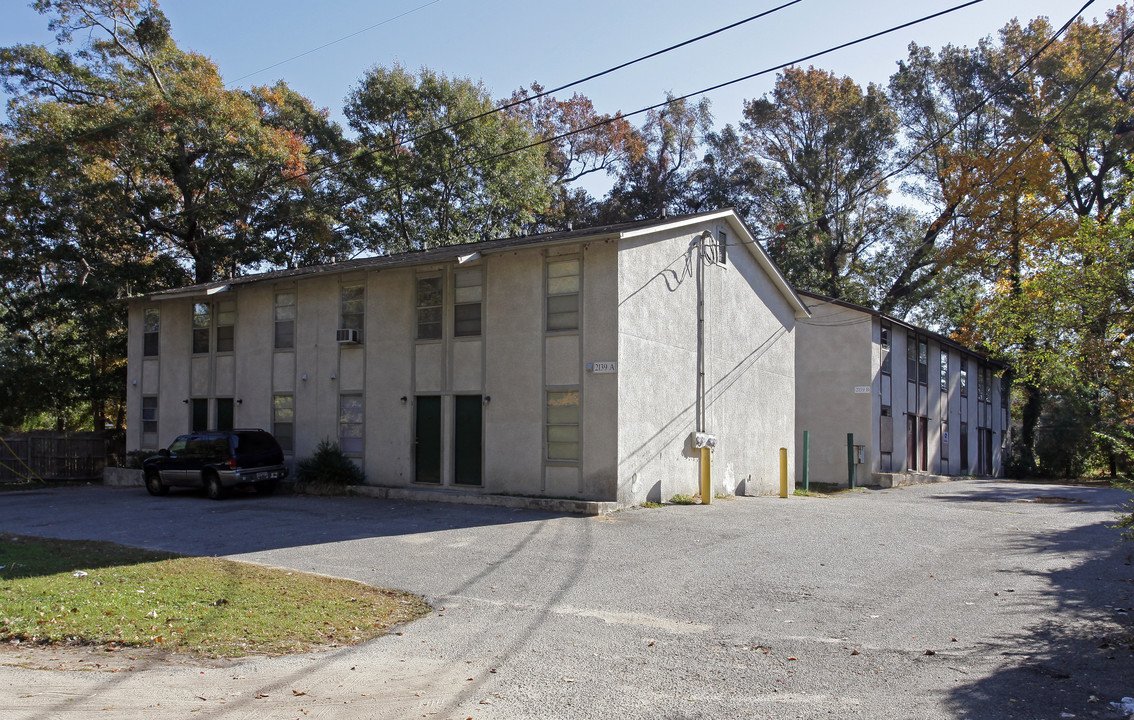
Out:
{"x": 265, "y": 475}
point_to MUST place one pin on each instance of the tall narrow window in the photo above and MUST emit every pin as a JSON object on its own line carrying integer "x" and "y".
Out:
{"x": 283, "y": 421}
{"x": 226, "y": 325}
{"x": 964, "y": 377}
{"x": 350, "y": 424}
{"x": 285, "y": 320}
{"x": 922, "y": 361}
{"x": 429, "y": 299}
{"x": 722, "y": 247}
{"x": 563, "y": 295}
{"x": 944, "y": 370}
{"x": 911, "y": 358}
{"x": 884, "y": 343}
{"x": 353, "y": 309}
{"x": 202, "y": 327}
{"x": 467, "y": 297}
{"x": 149, "y": 421}
{"x": 563, "y": 425}
{"x": 151, "y": 331}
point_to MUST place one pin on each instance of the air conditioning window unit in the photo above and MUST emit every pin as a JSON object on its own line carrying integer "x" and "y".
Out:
{"x": 346, "y": 335}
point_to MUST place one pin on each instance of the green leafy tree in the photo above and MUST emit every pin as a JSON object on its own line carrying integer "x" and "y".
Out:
{"x": 433, "y": 175}
{"x": 126, "y": 165}
{"x": 653, "y": 182}
{"x": 825, "y": 143}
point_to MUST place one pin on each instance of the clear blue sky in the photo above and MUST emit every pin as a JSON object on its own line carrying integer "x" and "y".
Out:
{"x": 510, "y": 43}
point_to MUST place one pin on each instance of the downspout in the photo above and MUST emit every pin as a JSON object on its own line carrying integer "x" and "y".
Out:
{"x": 706, "y": 480}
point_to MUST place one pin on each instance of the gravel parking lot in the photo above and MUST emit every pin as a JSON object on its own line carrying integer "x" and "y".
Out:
{"x": 970, "y": 599}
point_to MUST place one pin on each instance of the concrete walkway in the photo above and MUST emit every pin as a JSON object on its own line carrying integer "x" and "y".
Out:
{"x": 968, "y": 599}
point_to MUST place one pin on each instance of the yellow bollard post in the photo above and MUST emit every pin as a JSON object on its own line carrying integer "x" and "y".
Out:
{"x": 706, "y": 477}
{"x": 783, "y": 472}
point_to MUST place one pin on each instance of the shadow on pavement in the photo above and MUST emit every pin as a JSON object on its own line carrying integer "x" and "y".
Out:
{"x": 189, "y": 524}
{"x": 1078, "y": 659}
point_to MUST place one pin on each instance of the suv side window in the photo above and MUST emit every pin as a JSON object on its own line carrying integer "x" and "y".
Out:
{"x": 177, "y": 447}
{"x": 218, "y": 448}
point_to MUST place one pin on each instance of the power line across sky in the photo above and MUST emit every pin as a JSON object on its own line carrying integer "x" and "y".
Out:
{"x": 511, "y": 43}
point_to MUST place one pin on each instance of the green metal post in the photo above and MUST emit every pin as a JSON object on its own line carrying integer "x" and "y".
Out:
{"x": 850, "y": 460}
{"x": 806, "y": 460}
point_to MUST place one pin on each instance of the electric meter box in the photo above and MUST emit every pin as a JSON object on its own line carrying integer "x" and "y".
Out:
{"x": 701, "y": 440}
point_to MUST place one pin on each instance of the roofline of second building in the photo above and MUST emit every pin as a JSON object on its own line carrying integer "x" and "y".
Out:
{"x": 902, "y": 323}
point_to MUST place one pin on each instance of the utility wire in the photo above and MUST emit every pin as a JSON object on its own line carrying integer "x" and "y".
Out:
{"x": 333, "y": 42}
{"x": 525, "y": 100}
{"x": 930, "y": 145}
{"x": 607, "y": 121}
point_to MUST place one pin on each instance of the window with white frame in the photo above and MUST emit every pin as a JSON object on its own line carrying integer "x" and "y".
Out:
{"x": 722, "y": 247}
{"x": 429, "y": 308}
{"x": 468, "y": 294}
{"x": 884, "y": 344}
{"x": 964, "y": 377}
{"x": 285, "y": 320}
{"x": 350, "y": 424}
{"x": 226, "y": 325}
{"x": 563, "y": 285}
{"x": 151, "y": 331}
{"x": 283, "y": 421}
{"x": 944, "y": 370}
{"x": 562, "y": 424}
{"x": 149, "y": 421}
{"x": 202, "y": 327}
{"x": 353, "y": 308}
{"x": 922, "y": 360}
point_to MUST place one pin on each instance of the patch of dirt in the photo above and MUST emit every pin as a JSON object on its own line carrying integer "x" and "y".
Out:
{"x": 93, "y": 658}
{"x": 1055, "y": 500}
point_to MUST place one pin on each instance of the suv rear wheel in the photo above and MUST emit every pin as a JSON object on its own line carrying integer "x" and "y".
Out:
{"x": 213, "y": 488}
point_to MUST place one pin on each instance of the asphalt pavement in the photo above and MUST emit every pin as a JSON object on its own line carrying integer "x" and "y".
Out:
{"x": 968, "y": 599}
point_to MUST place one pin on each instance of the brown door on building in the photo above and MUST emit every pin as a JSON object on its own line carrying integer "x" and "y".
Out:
{"x": 911, "y": 442}
{"x": 923, "y": 443}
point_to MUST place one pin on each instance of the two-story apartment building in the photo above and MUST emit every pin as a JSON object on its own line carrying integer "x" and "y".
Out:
{"x": 917, "y": 403}
{"x": 573, "y": 364}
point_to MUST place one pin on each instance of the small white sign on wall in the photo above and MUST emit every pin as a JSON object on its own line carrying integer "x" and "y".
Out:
{"x": 861, "y": 389}
{"x": 604, "y": 366}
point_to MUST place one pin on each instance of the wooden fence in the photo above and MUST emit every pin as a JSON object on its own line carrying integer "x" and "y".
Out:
{"x": 56, "y": 455}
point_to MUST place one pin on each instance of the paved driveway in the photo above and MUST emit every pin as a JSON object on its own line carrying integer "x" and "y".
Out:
{"x": 965, "y": 599}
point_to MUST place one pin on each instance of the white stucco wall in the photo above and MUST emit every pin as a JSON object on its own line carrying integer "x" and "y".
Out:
{"x": 833, "y": 357}
{"x": 749, "y": 366}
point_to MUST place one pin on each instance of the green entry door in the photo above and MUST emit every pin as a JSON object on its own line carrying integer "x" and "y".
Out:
{"x": 467, "y": 440}
{"x": 427, "y": 439}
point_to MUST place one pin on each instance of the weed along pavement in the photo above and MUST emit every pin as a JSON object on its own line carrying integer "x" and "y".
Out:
{"x": 973, "y": 598}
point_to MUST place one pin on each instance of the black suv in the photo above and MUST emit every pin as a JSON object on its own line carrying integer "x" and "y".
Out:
{"x": 217, "y": 460}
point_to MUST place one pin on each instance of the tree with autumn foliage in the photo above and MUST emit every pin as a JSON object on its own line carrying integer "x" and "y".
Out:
{"x": 578, "y": 141}
{"x": 125, "y": 166}
{"x": 652, "y": 182}
{"x": 825, "y": 143}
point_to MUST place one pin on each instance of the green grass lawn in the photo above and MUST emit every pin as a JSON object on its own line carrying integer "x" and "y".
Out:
{"x": 97, "y": 593}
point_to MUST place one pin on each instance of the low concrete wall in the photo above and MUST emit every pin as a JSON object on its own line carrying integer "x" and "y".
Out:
{"x": 122, "y": 477}
{"x": 556, "y": 505}
{"x": 896, "y": 479}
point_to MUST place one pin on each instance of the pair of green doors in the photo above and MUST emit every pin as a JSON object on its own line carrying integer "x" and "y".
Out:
{"x": 468, "y": 439}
